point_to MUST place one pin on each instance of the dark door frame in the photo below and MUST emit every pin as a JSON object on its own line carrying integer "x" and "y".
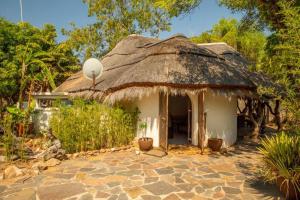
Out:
{"x": 164, "y": 120}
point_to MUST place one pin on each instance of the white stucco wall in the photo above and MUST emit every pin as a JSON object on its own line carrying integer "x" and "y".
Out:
{"x": 194, "y": 101}
{"x": 221, "y": 119}
{"x": 149, "y": 108}
{"x": 41, "y": 119}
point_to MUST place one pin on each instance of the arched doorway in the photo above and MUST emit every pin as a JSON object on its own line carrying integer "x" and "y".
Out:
{"x": 179, "y": 120}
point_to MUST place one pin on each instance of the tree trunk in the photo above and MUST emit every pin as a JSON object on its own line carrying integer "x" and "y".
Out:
{"x": 21, "y": 84}
{"x": 277, "y": 115}
{"x": 1, "y": 106}
{"x": 255, "y": 132}
{"x": 259, "y": 118}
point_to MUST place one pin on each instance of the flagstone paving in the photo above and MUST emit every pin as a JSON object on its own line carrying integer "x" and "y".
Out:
{"x": 125, "y": 175}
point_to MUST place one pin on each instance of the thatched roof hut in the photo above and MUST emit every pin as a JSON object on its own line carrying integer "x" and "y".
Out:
{"x": 139, "y": 65}
{"x": 148, "y": 72}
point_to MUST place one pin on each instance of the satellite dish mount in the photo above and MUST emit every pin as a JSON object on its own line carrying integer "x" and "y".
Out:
{"x": 92, "y": 70}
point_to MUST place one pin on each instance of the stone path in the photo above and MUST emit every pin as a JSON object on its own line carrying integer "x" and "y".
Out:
{"x": 125, "y": 175}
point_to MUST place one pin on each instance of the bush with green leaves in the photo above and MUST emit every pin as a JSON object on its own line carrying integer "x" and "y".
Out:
{"x": 281, "y": 158}
{"x": 89, "y": 126}
{"x": 13, "y": 146}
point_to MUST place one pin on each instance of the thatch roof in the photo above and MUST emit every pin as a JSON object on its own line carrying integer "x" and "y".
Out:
{"x": 139, "y": 64}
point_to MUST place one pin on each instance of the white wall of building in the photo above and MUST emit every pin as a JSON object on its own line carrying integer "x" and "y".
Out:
{"x": 221, "y": 119}
{"x": 41, "y": 119}
{"x": 194, "y": 101}
{"x": 149, "y": 108}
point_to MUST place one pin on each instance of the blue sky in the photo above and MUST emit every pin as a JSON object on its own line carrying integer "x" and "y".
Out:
{"x": 62, "y": 12}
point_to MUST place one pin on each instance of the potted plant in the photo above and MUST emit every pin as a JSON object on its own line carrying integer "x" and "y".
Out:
{"x": 281, "y": 163}
{"x": 145, "y": 143}
{"x": 214, "y": 143}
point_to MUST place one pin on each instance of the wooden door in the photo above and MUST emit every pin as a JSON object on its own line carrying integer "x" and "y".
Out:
{"x": 163, "y": 120}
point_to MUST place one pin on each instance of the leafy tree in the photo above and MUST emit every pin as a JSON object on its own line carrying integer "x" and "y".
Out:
{"x": 31, "y": 60}
{"x": 262, "y": 13}
{"x": 116, "y": 19}
{"x": 281, "y": 60}
{"x": 250, "y": 42}
{"x": 177, "y": 7}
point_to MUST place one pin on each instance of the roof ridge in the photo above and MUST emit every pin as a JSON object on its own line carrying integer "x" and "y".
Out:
{"x": 212, "y": 43}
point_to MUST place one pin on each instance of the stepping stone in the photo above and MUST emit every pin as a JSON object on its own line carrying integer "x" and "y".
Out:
{"x": 199, "y": 189}
{"x": 205, "y": 169}
{"x": 181, "y": 167}
{"x": 2, "y": 188}
{"x": 86, "y": 197}
{"x": 172, "y": 197}
{"x": 186, "y": 187}
{"x": 134, "y": 192}
{"x": 165, "y": 170}
{"x": 26, "y": 194}
{"x": 64, "y": 176}
{"x": 102, "y": 195}
{"x": 113, "y": 184}
{"x": 213, "y": 175}
{"x": 186, "y": 195}
{"x": 210, "y": 184}
{"x": 156, "y": 153}
{"x": 231, "y": 190}
{"x": 86, "y": 169}
{"x": 57, "y": 192}
{"x": 123, "y": 196}
{"x": 151, "y": 179}
{"x": 150, "y": 197}
{"x": 129, "y": 173}
{"x": 178, "y": 180}
{"x": 113, "y": 197}
{"x": 160, "y": 188}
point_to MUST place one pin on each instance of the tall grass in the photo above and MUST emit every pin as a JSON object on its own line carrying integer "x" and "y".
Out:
{"x": 281, "y": 158}
{"x": 89, "y": 126}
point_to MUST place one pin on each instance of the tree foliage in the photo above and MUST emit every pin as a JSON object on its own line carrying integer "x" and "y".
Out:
{"x": 116, "y": 19}
{"x": 282, "y": 55}
{"x": 250, "y": 42}
{"x": 31, "y": 59}
{"x": 259, "y": 12}
{"x": 283, "y": 58}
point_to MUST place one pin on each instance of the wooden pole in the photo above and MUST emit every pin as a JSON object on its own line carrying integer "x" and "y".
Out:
{"x": 201, "y": 125}
{"x": 94, "y": 81}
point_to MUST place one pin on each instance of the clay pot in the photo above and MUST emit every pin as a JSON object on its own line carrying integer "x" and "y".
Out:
{"x": 215, "y": 144}
{"x": 145, "y": 143}
{"x": 289, "y": 192}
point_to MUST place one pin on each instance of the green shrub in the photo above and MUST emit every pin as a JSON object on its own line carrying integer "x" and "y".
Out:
{"x": 13, "y": 146}
{"x": 90, "y": 126}
{"x": 281, "y": 158}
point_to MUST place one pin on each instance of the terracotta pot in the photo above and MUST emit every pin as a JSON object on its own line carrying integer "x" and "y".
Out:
{"x": 289, "y": 192}
{"x": 145, "y": 143}
{"x": 215, "y": 144}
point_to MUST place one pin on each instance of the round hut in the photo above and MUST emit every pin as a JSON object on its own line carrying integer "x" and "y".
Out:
{"x": 186, "y": 93}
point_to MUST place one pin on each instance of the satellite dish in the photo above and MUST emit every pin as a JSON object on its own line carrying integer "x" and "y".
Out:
{"x": 92, "y": 69}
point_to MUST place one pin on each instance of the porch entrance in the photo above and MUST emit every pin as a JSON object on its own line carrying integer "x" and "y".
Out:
{"x": 175, "y": 122}
{"x": 179, "y": 124}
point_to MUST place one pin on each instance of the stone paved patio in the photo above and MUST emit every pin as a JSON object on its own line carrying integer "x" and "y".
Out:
{"x": 125, "y": 175}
